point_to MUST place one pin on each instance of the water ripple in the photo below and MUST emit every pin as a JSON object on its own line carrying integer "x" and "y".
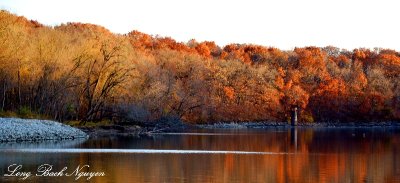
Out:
{"x": 138, "y": 151}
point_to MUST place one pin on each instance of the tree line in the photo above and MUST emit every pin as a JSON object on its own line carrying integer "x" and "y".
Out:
{"x": 84, "y": 72}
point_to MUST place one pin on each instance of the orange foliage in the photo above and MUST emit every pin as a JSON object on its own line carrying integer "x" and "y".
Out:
{"x": 391, "y": 63}
{"x": 198, "y": 82}
{"x": 140, "y": 40}
{"x": 333, "y": 87}
{"x": 295, "y": 95}
{"x": 85, "y": 28}
{"x": 229, "y": 92}
{"x": 167, "y": 42}
{"x": 203, "y": 50}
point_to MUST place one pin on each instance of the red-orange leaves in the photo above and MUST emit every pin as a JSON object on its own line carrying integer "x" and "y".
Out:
{"x": 203, "y": 50}
{"x": 391, "y": 63}
{"x": 140, "y": 40}
{"x": 312, "y": 62}
{"x": 333, "y": 87}
{"x": 359, "y": 80}
{"x": 295, "y": 95}
{"x": 279, "y": 81}
{"x": 229, "y": 92}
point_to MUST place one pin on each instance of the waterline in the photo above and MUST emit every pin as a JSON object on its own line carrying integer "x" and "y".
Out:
{"x": 138, "y": 151}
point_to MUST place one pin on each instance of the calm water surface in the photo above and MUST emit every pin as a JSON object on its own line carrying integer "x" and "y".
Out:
{"x": 268, "y": 155}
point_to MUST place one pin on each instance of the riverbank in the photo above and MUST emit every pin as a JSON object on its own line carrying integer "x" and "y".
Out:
{"x": 255, "y": 125}
{"x": 16, "y": 129}
{"x": 132, "y": 130}
{"x": 151, "y": 129}
{"x": 106, "y": 130}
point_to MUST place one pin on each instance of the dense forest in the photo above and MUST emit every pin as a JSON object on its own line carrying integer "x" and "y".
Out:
{"x": 84, "y": 72}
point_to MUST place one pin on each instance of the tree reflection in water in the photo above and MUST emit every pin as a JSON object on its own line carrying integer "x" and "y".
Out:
{"x": 314, "y": 155}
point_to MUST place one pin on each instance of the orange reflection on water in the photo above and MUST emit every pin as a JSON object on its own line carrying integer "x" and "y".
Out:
{"x": 304, "y": 155}
{"x": 315, "y": 157}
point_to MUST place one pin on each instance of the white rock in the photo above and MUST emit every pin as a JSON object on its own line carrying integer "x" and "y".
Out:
{"x": 16, "y": 129}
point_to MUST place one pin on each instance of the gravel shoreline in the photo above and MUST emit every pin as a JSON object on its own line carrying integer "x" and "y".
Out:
{"x": 16, "y": 129}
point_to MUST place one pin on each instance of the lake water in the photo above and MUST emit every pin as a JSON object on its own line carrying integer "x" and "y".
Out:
{"x": 267, "y": 155}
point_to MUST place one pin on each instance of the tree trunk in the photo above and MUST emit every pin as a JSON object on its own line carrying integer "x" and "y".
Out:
{"x": 19, "y": 88}
{"x": 4, "y": 95}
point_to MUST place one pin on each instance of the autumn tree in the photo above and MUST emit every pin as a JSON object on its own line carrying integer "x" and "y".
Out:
{"x": 78, "y": 71}
{"x": 100, "y": 72}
